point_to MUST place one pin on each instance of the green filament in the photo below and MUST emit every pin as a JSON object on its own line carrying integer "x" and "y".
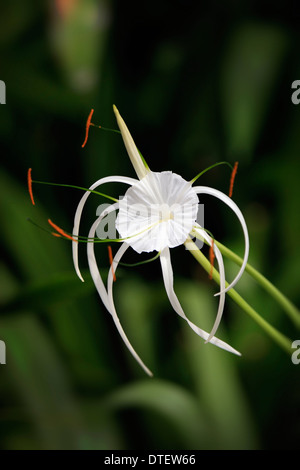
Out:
{"x": 209, "y": 168}
{"x": 141, "y": 262}
{"x": 76, "y": 187}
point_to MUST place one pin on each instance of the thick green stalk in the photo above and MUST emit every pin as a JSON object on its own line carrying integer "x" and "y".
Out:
{"x": 279, "y": 338}
{"x": 290, "y": 309}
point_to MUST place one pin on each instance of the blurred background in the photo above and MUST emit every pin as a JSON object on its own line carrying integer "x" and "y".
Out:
{"x": 196, "y": 82}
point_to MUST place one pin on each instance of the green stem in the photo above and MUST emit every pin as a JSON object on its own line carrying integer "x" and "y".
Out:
{"x": 285, "y": 303}
{"x": 279, "y": 338}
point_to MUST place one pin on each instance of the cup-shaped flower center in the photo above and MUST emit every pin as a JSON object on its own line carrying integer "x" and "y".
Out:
{"x": 165, "y": 213}
{"x": 158, "y": 211}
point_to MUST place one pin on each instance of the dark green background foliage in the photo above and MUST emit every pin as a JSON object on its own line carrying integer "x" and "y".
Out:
{"x": 197, "y": 83}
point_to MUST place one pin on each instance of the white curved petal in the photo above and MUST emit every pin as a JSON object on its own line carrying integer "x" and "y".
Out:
{"x": 131, "y": 148}
{"x": 95, "y": 273}
{"x": 236, "y": 210}
{"x": 168, "y": 281}
{"x": 222, "y": 281}
{"x": 113, "y": 312}
{"x": 75, "y": 233}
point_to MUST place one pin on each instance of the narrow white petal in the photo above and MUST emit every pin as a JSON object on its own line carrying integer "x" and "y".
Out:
{"x": 113, "y": 312}
{"x": 236, "y": 210}
{"x": 168, "y": 281}
{"x": 131, "y": 148}
{"x": 222, "y": 281}
{"x": 75, "y": 233}
{"x": 95, "y": 273}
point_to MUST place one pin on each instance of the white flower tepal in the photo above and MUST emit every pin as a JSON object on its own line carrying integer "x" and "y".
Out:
{"x": 131, "y": 148}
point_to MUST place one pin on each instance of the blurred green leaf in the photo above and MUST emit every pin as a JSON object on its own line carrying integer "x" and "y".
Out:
{"x": 251, "y": 69}
{"x": 16, "y": 18}
{"x": 215, "y": 374}
{"x": 40, "y": 378}
{"x": 79, "y": 38}
{"x": 137, "y": 311}
{"x": 171, "y": 402}
{"x": 45, "y": 293}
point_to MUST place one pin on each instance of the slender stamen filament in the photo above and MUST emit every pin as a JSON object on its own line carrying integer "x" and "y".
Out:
{"x": 75, "y": 187}
{"x": 105, "y": 128}
{"x": 79, "y": 238}
{"x": 210, "y": 168}
{"x": 132, "y": 265}
{"x": 82, "y": 239}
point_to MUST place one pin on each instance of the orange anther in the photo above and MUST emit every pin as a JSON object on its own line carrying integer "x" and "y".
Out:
{"x": 87, "y": 127}
{"x": 29, "y": 180}
{"x": 211, "y": 258}
{"x": 232, "y": 178}
{"x": 111, "y": 261}
{"x": 61, "y": 231}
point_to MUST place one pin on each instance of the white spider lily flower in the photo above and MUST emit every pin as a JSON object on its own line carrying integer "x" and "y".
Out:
{"x": 157, "y": 212}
